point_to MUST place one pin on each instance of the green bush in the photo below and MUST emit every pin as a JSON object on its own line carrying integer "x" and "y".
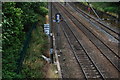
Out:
{"x": 17, "y": 21}
{"x": 12, "y": 38}
{"x": 111, "y": 9}
{"x": 43, "y": 11}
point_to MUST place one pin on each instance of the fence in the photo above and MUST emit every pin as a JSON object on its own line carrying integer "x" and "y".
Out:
{"x": 24, "y": 48}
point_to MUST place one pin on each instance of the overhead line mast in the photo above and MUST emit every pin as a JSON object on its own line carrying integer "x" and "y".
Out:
{"x": 93, "y": 10}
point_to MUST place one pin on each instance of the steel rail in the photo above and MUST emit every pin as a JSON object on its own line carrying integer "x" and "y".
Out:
{"x": 117, "y": 67}
{"x": 101, "y": 75}
{"x": 105, "y": 26}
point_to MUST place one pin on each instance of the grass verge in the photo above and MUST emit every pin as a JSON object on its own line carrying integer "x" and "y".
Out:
{"x": 34, "y": 66}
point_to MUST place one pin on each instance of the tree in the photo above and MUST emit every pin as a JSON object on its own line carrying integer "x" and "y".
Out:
{"x": 13, "y": 37}
{"x": 17, "y": 20}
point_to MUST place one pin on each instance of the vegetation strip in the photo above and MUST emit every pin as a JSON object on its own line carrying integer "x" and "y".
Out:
{"x": 17, "y": 21}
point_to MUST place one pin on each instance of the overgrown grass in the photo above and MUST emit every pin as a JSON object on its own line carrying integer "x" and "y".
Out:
{"x": 106, "y": 7}
{"x": 33, "y": 64}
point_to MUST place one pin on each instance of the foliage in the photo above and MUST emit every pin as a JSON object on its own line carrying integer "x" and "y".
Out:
{"x": 43, "y": 10}
{"x": 111, "y": 9}
{"x": 12, "y": 38}
{"x": 33, "y": 64}
{"x": 17, "y": 20}
{"x": 107, "y": 6}
{"x": 31, "y": 11}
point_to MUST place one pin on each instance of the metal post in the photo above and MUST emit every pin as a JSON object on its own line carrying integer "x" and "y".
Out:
{"x": 0, "y": 40}
{"x": 51, "y": 37}
{"x": 50, "y": 14}
{"x": 51, "y": 24}
{"x": 58, "y": 17}
{"x": 58, "y": 35}
{"x": 93, "y": 10}
{"x": 65, "y": 2}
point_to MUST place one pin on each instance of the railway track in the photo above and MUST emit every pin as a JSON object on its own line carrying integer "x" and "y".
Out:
{"x": 64, "y": 70}
{"x": 113, "y": 32}
{"x": 85, "y": 53}
{"x": 88, "y": 67}
{"x": 83, "y": 58}
{"x": 105, "y": 50}
{"x": 101, "y": 33}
